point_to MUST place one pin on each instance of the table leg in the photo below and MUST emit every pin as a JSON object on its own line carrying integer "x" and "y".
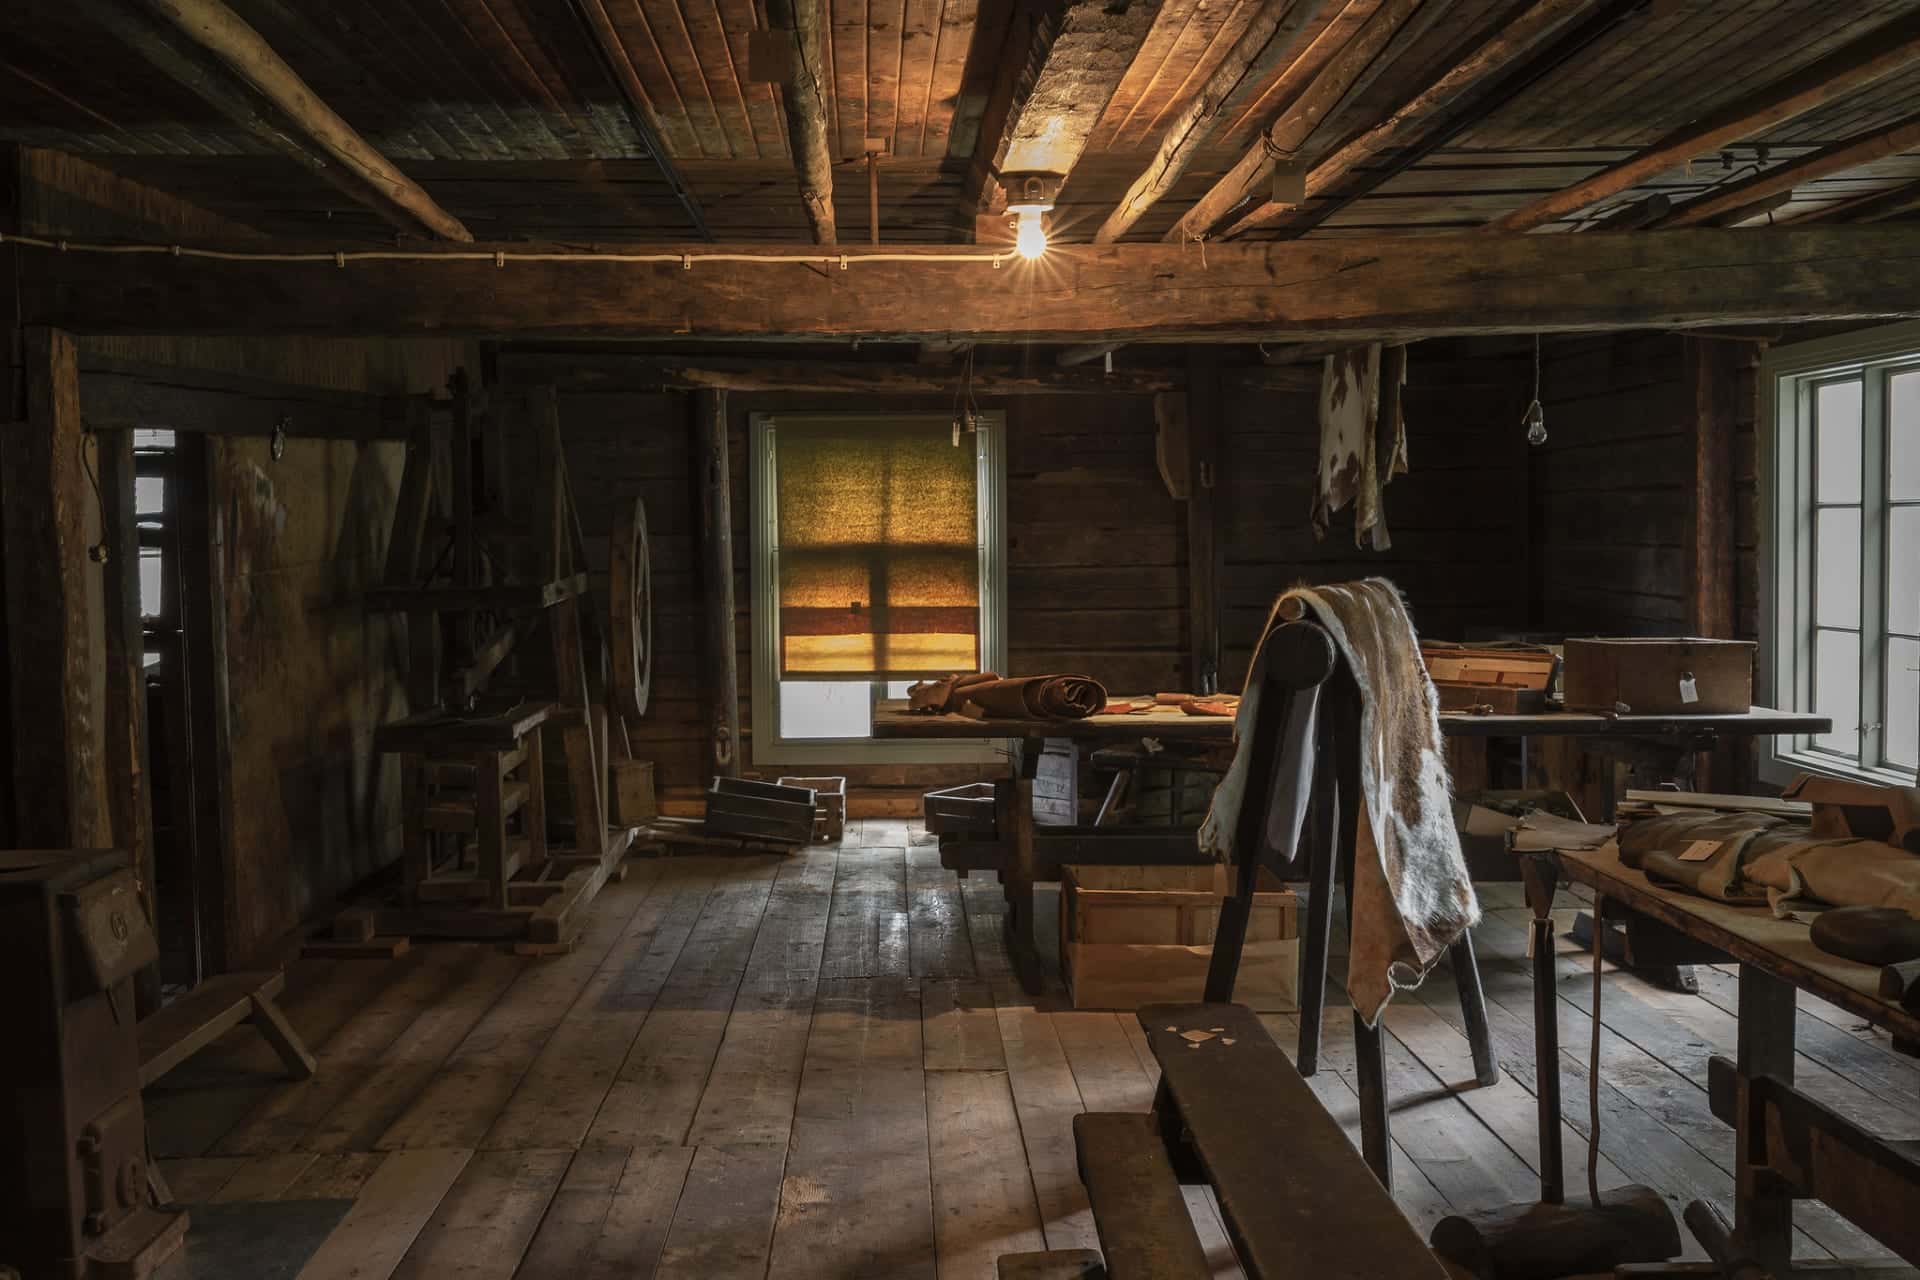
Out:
{"x": 1763, "y": 1206}
{"x": 1022, "y": 949}
{"x": 1540, "y": 875}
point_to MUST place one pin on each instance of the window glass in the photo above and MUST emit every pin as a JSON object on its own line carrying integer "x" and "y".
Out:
{"x": 826, "y": 708}
{"x": 1903, "y": 438}
{"x": 1836, "y": 584}
{"x": 1836, "y": 689}
{"x": 150, "y": 495}
{"x": 150, "y": 598}
{"x": 148, "y": 438}
{"x": 1903, "y": 571}
{"x": 1903, "y": 703}
{"x": 1836, "y": 464}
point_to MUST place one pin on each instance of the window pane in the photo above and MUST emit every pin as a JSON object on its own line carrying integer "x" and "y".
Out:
{"x": 150, "y": 581}
{"x": 1903, "y": 571}
{"x": 1903, "y": 446}
{"x": 148, "y": 438}
{"x": 1903, "y": 703}
{"x": 826, "y": 709}
{"x": 1836, "y": 467}
{"x": 898, "y": 688}
{"x": 150, "y": 495}
{"x": 1836, "y": 583}
{"x": 1836, "y": 689}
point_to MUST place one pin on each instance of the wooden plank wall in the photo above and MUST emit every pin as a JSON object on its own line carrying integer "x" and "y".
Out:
{"x": 1096, "y": 556}
{"x": 1457, "y": 518}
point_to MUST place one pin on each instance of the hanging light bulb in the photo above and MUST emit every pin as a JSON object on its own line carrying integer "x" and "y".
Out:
{"x": 1029, "y": 197}
{"x": 1030, "y": 234}
{"x": 1535, "y": 418}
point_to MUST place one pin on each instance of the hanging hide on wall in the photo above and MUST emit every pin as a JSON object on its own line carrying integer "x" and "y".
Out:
{"x": 1363, "y": 439}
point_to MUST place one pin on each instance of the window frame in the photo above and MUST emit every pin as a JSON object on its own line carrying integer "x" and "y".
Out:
{"x": 1789, "y": 378}
{"x": 768, "y": 746}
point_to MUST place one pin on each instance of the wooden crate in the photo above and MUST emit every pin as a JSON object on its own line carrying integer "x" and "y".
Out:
{"x": 963, "y": 809}
{"x": 829, "y": 805}
{"x": 760, "y": 810}
{"x": 634, "y": 801}
{"x": 1658, "y": 676}
{"x": 1139, "y": 935}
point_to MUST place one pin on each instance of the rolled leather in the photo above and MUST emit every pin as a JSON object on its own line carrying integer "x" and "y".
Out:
{"x": 1056, "y": 697}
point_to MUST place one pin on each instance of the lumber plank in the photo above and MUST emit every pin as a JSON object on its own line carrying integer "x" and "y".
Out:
{"x": 484, "y": 1224}
{"x": 1145, "y": 1230}
{"x": 958, "y": 1029}
{"x": 724, "y": 1223}
{"x": 857, "y": 1197}
{"x": 937, "y": 941}
{"x": 1105, "y": 1070}
{"x": 869, "y": 930}
{"x": 983, "y": 1200}
{"x": 394, "y": 1205}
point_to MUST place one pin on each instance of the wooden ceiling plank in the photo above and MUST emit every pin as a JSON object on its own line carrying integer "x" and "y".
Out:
{"x": 959, "y": 20}
{"x": 851, "y": 87}
{"x": 1875, "y": 206}
{"x": 1498, "y": 70}
{"x": 1862, "y": 62}
{"x": 722, "y": 77}
{"x": 207, "y": 48}
{"x": 739, "y": 20}
{"x": 1168, "y": 26}
{"x": 1281, "y": 291}
{"x": 685, "y": 63}
{"x": 804, "y": 100}
{"x": 1279, "y": 22}
{"x": 1271, "y": 86}
{"x": 1837, "y": 158}
{"x": 885, "y": 27}
{"x": 613, "y": 50}
{"x": 455, "y": 89}
{"x": 919, "y": 47}
{"x": 1059, "y": 69}
{"x": 1193, "y": 72}
{"x": 534, "y": 118}
{"x": 1291, "y": 130}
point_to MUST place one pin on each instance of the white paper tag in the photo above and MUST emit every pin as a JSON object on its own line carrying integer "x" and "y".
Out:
{"x": 1700, "y": 850}
{"x": 1688, "y": 693}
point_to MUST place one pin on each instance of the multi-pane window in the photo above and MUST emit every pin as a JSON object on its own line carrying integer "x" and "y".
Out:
{"x": 824, "y": 718}
{"x": 1844, "y": 546}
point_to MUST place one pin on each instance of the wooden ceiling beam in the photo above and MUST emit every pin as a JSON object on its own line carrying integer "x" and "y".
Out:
{"x": 805, "y": 105}
{"x": 1872, "y": 57}
{"x": 612, "y": 51}
{"x": 1837, "y": 158}
{"x": 1281, "y": 291}
{"x": 1342, "y": 75}
{"x": 1269, "y": 38}
{"x": 573, "y": 371}
{"x": 1059, "y": 67}
{"x": 1492, "y": 75}
{"x": 1875, "y": 206}
{"x": 211, "y": 51}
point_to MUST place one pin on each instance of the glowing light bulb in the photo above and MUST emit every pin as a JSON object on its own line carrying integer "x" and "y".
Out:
{"x": 1030, "y": 238}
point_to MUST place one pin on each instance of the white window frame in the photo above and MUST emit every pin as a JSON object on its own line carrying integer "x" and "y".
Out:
{"x": 1788, "y": 376}
{"x": 768, "y": 746}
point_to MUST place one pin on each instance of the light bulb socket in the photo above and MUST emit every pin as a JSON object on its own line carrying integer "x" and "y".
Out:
{"x": 1030, "y": 191}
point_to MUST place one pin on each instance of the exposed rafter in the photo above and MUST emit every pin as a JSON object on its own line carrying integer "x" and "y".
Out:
{"x": 1272, "y": 34}
{"x": 633, "y": 96}
{"x": 209, "y": 50}
{"x": 1281, "y": 291}
{"x": 798, "y": 22}
{"x": 1059, "y": 68}
{"x": 1872, "y": 57}
{"x": 1841, "y": 156}
{"x": 1344, "y": 74}
{"x": 1493, "y": 73}
{"x": 1875, "y": 206}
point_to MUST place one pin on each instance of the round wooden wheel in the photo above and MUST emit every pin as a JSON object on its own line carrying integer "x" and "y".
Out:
{"x": 630, "y": 595}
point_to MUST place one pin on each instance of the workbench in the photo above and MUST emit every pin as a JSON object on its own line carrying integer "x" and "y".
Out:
{"x": 1028, "y": 739}
{"x": 1788, "y": 1146}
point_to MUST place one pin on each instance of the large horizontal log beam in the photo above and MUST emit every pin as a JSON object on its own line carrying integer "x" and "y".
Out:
{"x": 572, "y": 371}
{"x": 1305, "y": 290}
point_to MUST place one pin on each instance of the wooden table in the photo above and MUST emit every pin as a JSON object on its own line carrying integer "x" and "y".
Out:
{"x": 1787, "y": 1146}
{"x": 893, "y": 719}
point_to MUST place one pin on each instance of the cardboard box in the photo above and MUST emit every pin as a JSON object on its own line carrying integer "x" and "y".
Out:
{"x": 1659, "y": 676}
{"x": 1139, "y": 935}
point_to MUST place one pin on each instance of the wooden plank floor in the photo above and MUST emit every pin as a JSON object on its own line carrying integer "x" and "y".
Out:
{"x": 821, "y": 1066}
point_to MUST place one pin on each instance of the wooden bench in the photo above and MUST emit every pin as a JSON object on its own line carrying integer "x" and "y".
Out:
{"x": 194, "y": 1021}
{"x": 1296, "y": 1197}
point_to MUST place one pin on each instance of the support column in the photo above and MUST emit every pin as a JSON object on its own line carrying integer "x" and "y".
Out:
{"x": 720, "y": 659}
{"x": 1204, "y": 413}
{"x": 55, "y": 609}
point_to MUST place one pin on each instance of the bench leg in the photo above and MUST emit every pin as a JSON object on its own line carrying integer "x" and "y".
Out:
{"x": 1473, "y": 1010}
{"x": 1376, "y": 1138}
{"x": 1313, "y": 961}
{"x": 1022, "y": 949}
{"x": 280, "y": 1034}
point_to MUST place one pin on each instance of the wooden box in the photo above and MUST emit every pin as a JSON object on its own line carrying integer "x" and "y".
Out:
{"x": 632, "y": 792}
{"x": 829, "y": 805}
{"x": 1659, "y": 677}
{"x": 955, "y": 810}
{"x": 760, "y": 811}
{"x": 1139, "y": 935}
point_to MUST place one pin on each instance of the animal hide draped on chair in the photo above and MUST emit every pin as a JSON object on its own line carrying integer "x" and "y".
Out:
{"x": 1411, "y": 893}
{"x": 1363, "y": 439}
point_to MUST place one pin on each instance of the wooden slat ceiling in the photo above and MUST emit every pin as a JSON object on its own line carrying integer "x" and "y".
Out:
{"x": 508, "y": 112}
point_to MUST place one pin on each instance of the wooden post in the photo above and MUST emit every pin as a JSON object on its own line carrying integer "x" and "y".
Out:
{"x": 722, "y": 685}
{"x": 55, "y": 610}
{"x": 1203, "y": 551}
{"x": 1716, "y": 371}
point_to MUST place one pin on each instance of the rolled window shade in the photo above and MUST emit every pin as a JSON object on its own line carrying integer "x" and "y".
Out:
{"x": 879, "y": 557}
